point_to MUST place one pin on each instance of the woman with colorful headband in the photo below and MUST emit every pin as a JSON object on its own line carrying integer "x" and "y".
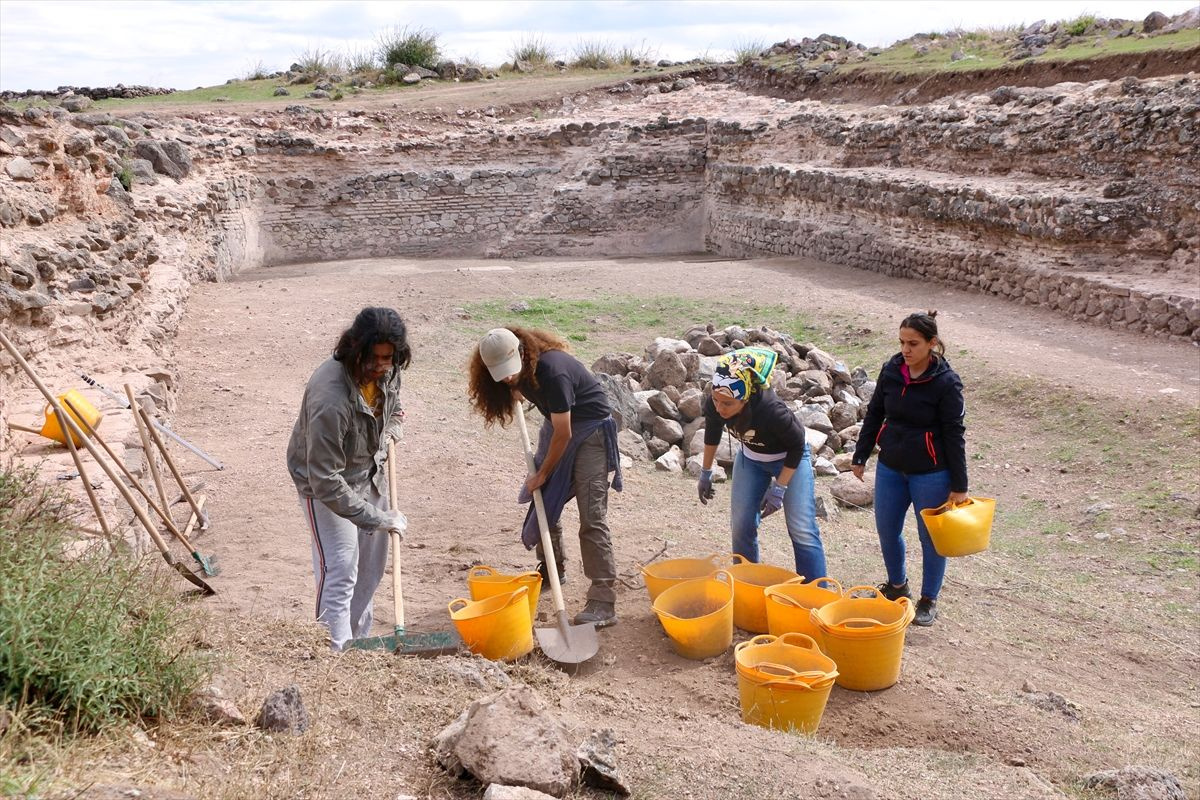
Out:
{"x": 773, "y": 469}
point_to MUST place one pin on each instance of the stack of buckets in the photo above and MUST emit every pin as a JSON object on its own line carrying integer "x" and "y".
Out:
{"x": 815, "y": 634}
{"x": 497, "y": 622}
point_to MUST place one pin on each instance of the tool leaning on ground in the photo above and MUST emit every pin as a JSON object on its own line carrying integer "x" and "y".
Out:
{"x": 565, "y": 643}
{"x": 74, "y": 427}
{"x": 402, "y": 642}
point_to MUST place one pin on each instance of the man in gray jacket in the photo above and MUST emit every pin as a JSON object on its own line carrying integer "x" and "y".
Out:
{"x": 337, "y": 458}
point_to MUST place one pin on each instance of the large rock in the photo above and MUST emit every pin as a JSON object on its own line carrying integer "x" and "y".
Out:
{"x": 668, "y": 430}
{"x": 843, "y": 415}
{"x": 613, "y": 363}
{"x": 21, "y": 169}
{"x": 621, "y": 398}
{"x": 662, "y": 343}
{"x": 498, "y": 792}
{"x": 76, "y": 103}
{"x": 1137, "y": 783}
{"x": 663, "y": 406}
{"x": 283, "y": 712}
{"x": 155, "y": 152}
{"x": 471, "y": 74}
{"x": 671, "y": 461}
{"x": 598, "y": 758}
{"x": 1155, "y": 21}
{"x": 633, "y": 445}
{"x": 667, "y": 370}
{"x": 691, "y": 404}
{"x": 850, "y": 492}
{"x": 511, "y": 739}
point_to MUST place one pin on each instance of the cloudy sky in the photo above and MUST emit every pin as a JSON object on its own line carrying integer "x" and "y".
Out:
{"x": 184, "y": 44}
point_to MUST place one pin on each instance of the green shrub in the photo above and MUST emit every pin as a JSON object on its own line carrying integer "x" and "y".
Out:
{"x": 90, "y": 640}
{"x": 416, "y": 47}
{"x": 360, "y": 59}
{"x": 746, "y": 51}
{"x": 257, "y": 72}
{"x": 1080, "y": 25}
{"x": 593, "y": 54}
{"x": 532, "y": 48}
{"x": 630, "y": 53}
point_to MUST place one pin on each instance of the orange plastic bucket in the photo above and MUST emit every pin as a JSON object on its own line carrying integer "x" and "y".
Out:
{"x": 662, "y": 575}
{"x": 788, "y": 605}
{"x": 51, "y": 428}
{"x": 498, "y": 628}
{"x": 784, "y": 682}
{"x": 697, "y": 615}
{"x": 484, "y": 582}
{"x": 865, "y": 636}
{"x": 750, "y": 581}
{"x": 960, "y": 529}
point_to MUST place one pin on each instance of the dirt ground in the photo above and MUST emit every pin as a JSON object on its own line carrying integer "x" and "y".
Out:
{"x": 1086, "y": 437}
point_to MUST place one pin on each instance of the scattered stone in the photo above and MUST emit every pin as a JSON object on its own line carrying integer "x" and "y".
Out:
{"x": 20, "y": 169}
{"x": 283, "y": 712}
{"x": 497, "y": 791}
{"x": 598, "y": 760}
{"x": 411, "y": 78}
{"x": 211, "y": 703}
{"x": 76, "y": 103}
{"x": 1155, "y": 21}
{"x": 852, "y": 493}
{"x": 281, "y": 91}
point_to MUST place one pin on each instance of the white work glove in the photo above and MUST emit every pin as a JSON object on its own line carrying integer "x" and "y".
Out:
{"x": 395, "y": 522}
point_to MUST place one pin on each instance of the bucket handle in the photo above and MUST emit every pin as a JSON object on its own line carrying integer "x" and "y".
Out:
{"x": 762, "y": 638}
{"x": 782, "y": 598}
{"x": 738, "y": 558}
{"x": 517, "y": 594}
{"x": 819, "y": 583}
{"x": 801, "y": 640}
{"x": 722, "y": 576}
{"x": 815, "y": 686}
{"x": 481, "y": 572}
{"x": 456, "y": 602}
{"x": 784, "y": 671}
{"x": 859, "y": 622}
{"x": 871, "y": 591}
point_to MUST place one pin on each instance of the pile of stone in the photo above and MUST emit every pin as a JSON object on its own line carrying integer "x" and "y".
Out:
{"x": 658, "y": 397}
{"x": 821, "y": 55}
{"x": 97, "y": 93}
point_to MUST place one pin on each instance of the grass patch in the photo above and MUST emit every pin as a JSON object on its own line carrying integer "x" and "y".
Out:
{"x": 414, "y": 46}
{"x": 746, "y": 51}
{"x": 315, "y": 61}
{"x": 593, "y": 54}
{"x": 532, "y": 48}
{"x": 628, "y": 54}
{"x": 239, "y": 91}
{"x": 257, "y": 72}
{"x": 360, "y": 59}
{"x": 90, "y": 641}
{"x": 1080, "y": 25}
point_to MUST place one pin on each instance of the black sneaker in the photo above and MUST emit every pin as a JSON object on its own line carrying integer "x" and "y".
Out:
{"x": 541, "y": 570}
{"x": 894, "y": 592}
{"x": 926, "y": 612}
{"x": 600, "y": 613}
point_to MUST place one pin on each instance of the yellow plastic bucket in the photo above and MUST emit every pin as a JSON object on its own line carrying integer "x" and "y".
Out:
{"x": 697, "y": 615}
{"x": 865, "y": 637}
{"x": 498, "y": 627}
{"x": 960, "y": 529}
{"x": 750, "y": 581}
{"x": 784, "y": 682}
{"x": 51, "y": 428}
{"x": 665, "y": 574}
{"x": 788, "y": 605}
{"x": 484, "y": 582}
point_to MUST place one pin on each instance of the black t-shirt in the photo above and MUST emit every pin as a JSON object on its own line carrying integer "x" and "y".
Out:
{"x": 766, "y": 425}
{"x": 565, "y": 384}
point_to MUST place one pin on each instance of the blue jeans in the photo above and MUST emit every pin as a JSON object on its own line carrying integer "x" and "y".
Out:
{"x": 751, "y": 479}
{"x": 894, "y": 493}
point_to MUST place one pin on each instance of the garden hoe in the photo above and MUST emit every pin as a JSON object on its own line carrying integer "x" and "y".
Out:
{"x": 404, "y": 643}
{"x": 565, "y": 643}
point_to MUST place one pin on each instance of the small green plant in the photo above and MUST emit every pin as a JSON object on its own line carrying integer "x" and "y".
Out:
{"x": 639, "y": 53}
{"x": 257, "y": 72}
{"x": 746, "y": 50}
{"x": 1080, "y": 25}
{"x": 416, "y": 47}
{"x": 532, "y": 48}
{"x": 125, "y": 175}
{"x": 91, "y": 639}
{"x": 593, "y": 54}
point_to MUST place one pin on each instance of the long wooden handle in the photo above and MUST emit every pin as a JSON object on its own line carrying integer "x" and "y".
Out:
{"x": 151, "y": 463}
{"x": 162, "y": 448}
{"x": 539, "y": 507}
{"x": 87, "y": 487}
{"x": 397, "y": 582}
{"x": 23, "y": 428}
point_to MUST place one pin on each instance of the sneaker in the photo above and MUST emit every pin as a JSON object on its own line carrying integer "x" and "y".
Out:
{"x": 541, "y": 570}
{"x": 597, "y": 611}
{"x": 894, "y": 592}
{"x": 926, "y": 612}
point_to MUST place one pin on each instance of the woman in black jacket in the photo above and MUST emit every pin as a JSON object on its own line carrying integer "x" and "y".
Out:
{"x": 916, "y": 418}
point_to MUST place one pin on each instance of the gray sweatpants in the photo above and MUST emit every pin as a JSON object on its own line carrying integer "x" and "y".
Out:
{"x": 595, "y": 541}
{"x": 348, "y": 563}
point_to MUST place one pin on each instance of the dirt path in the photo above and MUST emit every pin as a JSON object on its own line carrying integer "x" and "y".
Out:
{"x": 246, "y": 349}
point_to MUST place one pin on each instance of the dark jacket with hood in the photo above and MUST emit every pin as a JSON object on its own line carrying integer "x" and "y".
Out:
{"x": 918, "y": 424}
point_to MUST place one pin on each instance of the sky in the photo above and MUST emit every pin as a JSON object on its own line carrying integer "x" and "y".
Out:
{"x": 183, "y": 44}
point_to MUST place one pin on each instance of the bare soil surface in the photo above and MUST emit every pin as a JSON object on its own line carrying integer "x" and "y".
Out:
{"x": 1086, "y": 437}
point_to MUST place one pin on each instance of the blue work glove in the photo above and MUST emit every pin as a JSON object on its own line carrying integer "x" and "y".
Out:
{"x": 704, "y": 487}
{"x": 773, "y": 501}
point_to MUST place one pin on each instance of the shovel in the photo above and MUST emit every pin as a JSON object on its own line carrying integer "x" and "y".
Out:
{"x": 402, "y": 643}
{"x": 564, "y": 643}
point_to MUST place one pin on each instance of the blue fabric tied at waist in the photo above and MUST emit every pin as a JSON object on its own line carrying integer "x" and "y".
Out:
{"x": 560, "y": 487}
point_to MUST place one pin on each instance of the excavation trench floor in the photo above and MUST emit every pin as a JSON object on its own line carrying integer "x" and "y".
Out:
{"x": 1049, "y": 605}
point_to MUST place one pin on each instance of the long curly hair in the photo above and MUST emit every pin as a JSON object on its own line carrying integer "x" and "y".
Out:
{"x": 373, "y": 325}
{"x": 494, "y": 399}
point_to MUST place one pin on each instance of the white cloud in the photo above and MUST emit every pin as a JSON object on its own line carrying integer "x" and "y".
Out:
{"x": 47, "y": 43}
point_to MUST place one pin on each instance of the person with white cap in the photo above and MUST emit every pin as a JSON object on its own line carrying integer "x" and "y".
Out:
{"x": 577, "y": 448}
{"x": 337, "y": 457}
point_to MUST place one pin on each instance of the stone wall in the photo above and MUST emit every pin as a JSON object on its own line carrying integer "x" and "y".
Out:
{"x": 577, "y": 190}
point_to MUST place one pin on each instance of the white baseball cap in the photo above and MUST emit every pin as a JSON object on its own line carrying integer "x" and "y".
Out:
{"x": 500, "y": 350}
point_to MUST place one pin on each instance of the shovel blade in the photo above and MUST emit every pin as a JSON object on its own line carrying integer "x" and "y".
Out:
{"x": 568, "y": 644}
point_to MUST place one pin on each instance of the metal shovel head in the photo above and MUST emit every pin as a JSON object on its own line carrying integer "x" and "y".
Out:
{"x": 568, "y": 644}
